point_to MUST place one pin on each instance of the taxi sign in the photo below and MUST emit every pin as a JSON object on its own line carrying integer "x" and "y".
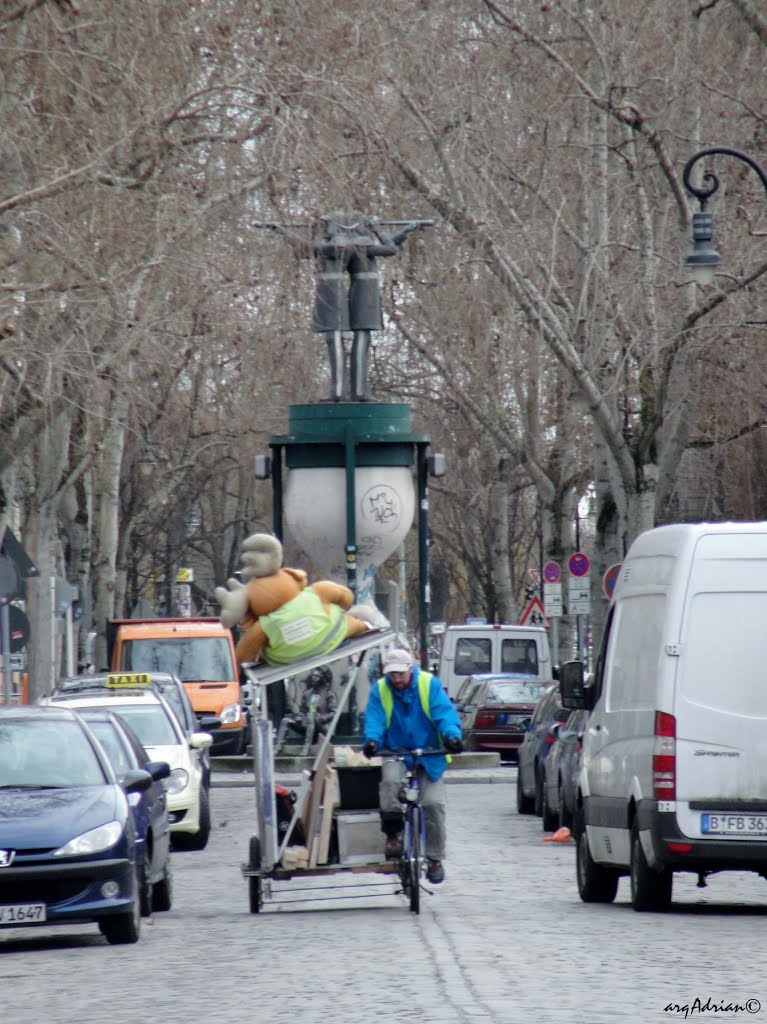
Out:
{"x": 115, "y": 680}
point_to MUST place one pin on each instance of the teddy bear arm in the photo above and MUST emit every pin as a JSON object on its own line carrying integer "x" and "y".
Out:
{"x": 333, "y": 593}
{"x": 251, "y": 643}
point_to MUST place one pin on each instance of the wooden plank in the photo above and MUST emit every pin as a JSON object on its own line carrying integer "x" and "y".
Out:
{"x": 315, "y": 795}
{"x": 328, "y": 800}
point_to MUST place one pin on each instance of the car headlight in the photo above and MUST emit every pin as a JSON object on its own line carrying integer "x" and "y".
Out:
{"x": 95, "y": 841}
{"x": 231, "y": 713}
{"x": 177, "y": 781}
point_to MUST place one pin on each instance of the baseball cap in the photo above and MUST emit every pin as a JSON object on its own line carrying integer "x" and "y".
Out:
{"x": 397, "y": 660}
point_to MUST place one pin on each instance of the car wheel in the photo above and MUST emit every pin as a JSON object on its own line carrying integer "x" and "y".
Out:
{"x": 525, "y": 804}
{"x": 650, "y": 889}
{"x": 122, "y": 929}
{"x": 255, "y": 889}
{"x": 162, "y": 891}
{"x": 197, "y": 840}
{"x": 144, "y": 873}
{"x": 548, "y": 818}
{"x": 596, "y": 884}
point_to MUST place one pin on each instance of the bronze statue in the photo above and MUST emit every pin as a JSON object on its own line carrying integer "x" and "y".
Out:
{"x": 350, "y": 245}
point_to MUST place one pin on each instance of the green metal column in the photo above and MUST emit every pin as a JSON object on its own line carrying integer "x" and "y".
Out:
{"x": 424, "y": 595}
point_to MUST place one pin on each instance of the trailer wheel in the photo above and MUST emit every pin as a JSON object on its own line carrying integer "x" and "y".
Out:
{"x": 255, "y": 889}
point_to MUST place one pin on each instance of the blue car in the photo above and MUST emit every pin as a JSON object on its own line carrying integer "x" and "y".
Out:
{"x": 67, "y": 835}
{"x": 536, "y": 745}
{"x": 150, "y": 808}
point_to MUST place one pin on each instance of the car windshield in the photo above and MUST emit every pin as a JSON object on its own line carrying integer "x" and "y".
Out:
{"x": 47, "y": 754}
{"x": 150, "y": 722}
{"x": 106, "y": 734}
{"x": 201, "y": 659}
{"x": 174, "y": 698}
{"x": 514, "y": 692}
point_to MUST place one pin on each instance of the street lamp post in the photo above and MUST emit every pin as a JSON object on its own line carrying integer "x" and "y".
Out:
{"x": 703, "y": 259}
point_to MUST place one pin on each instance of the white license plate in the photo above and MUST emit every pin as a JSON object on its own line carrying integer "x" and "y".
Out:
{"x": 22, "y": 913}
{"x": 734, "y": 825}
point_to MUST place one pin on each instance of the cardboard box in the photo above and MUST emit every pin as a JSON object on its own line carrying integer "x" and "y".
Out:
{"x": 360, "y": 839}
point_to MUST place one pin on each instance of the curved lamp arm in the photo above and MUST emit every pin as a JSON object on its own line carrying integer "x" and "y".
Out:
{"x": 704, "y": 194}
{"x": 703, "y": 259}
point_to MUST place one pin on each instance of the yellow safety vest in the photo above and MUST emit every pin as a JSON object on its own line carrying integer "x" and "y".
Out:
{"x": 387, "y": 698}
{"x": 302, "y": 628}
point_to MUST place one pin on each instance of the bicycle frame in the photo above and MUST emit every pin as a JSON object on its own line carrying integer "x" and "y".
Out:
{"x": 412, "y": 865}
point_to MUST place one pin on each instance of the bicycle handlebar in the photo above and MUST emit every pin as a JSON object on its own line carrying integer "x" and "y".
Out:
{"x": 402, "y": 753}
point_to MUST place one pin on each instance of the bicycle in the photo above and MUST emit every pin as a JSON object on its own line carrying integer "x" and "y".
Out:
{"x": 412, "y": 861}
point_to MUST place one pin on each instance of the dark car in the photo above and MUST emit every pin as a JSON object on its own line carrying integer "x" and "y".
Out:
{"x": 560, "y": 771}
{"x": 495, "y": 711}
{"x": 171, "y": 688}
{"x": 67, "y": 836}
{"x": 534, "y": 750}
{"x": 150, "y": 808}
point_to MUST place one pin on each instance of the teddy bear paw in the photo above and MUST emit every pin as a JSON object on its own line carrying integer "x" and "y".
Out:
{"x": 370, "y": 614}
{"x": 234, "y": 602}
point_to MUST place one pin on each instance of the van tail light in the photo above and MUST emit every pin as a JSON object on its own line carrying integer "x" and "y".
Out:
{"x": 485, "y": 719}
{"x": 664, "y": 757}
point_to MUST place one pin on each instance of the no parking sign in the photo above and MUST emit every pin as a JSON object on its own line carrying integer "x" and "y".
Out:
{"x": 610, "y": 578}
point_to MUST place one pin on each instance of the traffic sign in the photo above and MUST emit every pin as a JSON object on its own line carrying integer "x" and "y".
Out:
{"x": 534, "y": 614}
{"x": 552, "y": 572}
{"x": 552, "y": 600}
{"x": 578, "y": 564}
{"x": 579, "y": 595}
{"x": 609, "y": 580}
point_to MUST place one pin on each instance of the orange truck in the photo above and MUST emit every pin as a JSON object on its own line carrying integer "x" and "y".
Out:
{"x": 200, "y": 651}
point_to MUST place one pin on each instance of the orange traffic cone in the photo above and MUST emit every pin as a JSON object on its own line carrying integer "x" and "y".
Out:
{"x": 562, "y": 835}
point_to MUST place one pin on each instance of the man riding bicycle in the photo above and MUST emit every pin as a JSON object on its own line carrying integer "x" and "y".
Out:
{"x": 409, "y": 709}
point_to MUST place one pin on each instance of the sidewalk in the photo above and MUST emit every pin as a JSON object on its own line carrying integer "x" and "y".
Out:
{"x": 236, "y": 776}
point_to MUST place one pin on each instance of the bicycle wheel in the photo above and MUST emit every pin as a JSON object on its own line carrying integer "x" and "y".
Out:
{"x": 415, "y": 860}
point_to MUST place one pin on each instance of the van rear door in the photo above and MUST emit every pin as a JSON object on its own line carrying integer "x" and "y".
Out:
{"x": 720, "y": 700}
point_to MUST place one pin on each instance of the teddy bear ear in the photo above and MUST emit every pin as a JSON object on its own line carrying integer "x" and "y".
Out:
{"x": 261, "y": 555}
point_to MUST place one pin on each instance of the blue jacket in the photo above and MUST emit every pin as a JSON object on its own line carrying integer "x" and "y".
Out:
{"x": 410, "y": 727}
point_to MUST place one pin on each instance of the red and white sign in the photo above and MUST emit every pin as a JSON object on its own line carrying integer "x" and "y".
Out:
{"x": 578, "y": 564}
{"x": 534, "y": 615}
{"x": 551, "y": 572}
{"x": 610, "y": 578}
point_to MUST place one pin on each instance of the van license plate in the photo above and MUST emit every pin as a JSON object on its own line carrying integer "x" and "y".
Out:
{"x": 734, "y": 824}
{"x": 22, "y": 913}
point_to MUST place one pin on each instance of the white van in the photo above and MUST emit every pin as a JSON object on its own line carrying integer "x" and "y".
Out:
{"x": 674, "y": 773}
{"x": 469, "y": 650}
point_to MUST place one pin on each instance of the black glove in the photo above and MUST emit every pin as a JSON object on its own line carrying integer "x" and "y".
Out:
{"x": 453, "y": 744}
{"x": 370, "y": 748}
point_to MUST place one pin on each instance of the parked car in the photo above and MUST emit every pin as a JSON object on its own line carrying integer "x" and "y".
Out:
{"x": 149, "y": 809}
{"x": 560, "y": 772}
{"x": 495, "y": 711}
{"x": 67, "y": 836}
{"x": 150, "y": 716}
{"x": 170, "y": 686}
{"x": 535, "y": 747}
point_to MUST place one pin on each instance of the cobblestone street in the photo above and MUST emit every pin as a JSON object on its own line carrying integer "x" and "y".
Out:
{"x": 504, "y": 940}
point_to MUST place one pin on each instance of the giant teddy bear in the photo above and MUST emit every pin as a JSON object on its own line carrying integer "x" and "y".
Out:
{"x": 282, "y": 618}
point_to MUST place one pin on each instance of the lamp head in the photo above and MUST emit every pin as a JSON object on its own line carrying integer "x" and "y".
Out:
{"x": 703, "y": 260}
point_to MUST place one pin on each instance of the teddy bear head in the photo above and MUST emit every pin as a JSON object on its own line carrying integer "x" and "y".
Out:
{"x": 269, "y": 586}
